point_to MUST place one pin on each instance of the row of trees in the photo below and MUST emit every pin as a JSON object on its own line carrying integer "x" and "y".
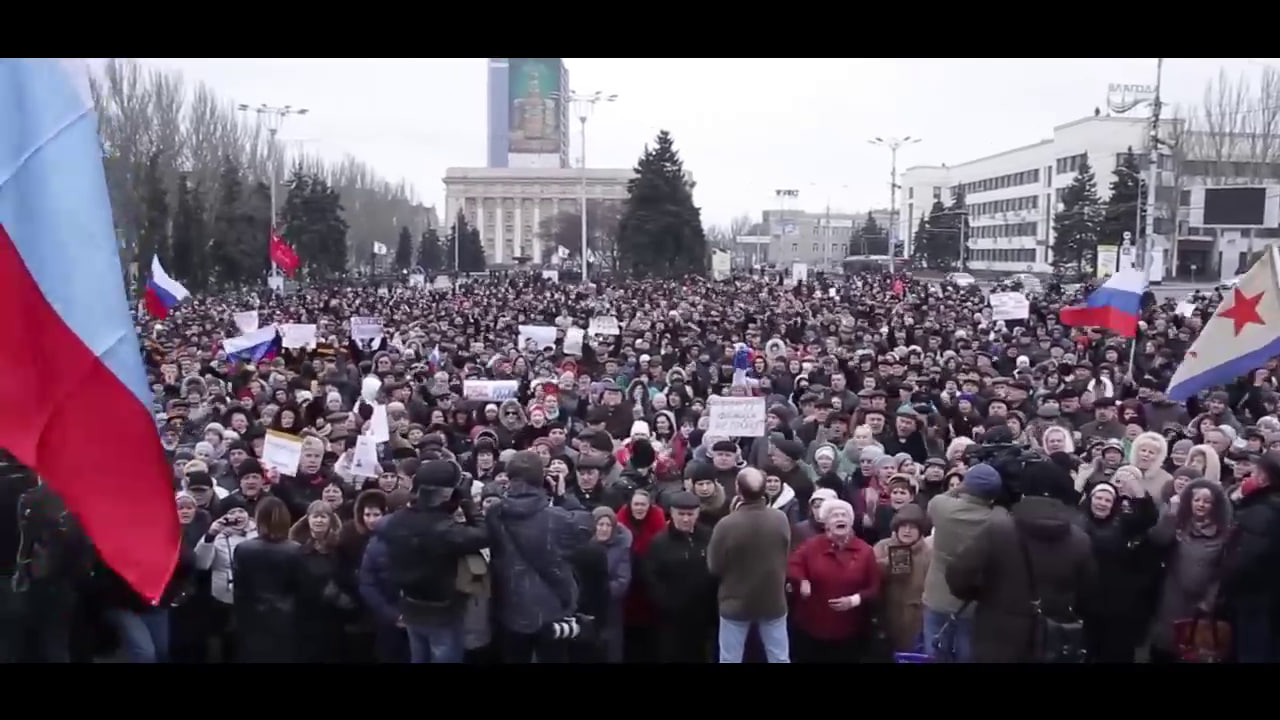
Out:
{"x": 189, "y": 176}
{"x": 435, "y": 255}
{"x": 1085, "y": 221}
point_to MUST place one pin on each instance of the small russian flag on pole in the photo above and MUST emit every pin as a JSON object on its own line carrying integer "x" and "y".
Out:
{"x": 1116, "y": 306}
{"x": 163, "y": 292}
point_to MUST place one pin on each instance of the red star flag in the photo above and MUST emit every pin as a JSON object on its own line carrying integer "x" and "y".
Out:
{"x": 1242, "y": 335}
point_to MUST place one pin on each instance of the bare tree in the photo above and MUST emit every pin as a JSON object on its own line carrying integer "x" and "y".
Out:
{"x": 1233, "y": 132}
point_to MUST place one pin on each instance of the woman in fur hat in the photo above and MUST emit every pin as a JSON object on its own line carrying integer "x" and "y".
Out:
{"x": 1147, "y": 453}
{"x": 904, "y": 559}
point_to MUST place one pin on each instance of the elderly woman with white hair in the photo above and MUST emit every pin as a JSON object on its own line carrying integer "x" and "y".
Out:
{"x": 836, "y": 577}
{"x": 1205, "y": 459}
{"x": 1147, "y": 453}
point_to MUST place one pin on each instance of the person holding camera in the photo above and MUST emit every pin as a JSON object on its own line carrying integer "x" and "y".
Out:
{"x": 213, "y": 555}
{"x": 424, "y": 545}
{"x": 535, "y": 531}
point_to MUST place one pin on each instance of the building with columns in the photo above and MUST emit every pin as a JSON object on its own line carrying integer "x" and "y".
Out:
{"x": 509, "y": 204}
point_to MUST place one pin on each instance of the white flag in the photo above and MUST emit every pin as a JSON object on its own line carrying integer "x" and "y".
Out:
{"x": 379, "y": 249}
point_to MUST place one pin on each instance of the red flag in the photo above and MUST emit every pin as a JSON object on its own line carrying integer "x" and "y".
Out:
{"x": 282, "y": 255}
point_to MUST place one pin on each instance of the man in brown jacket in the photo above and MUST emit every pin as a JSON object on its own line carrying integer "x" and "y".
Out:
{"x": 748, "y": 554}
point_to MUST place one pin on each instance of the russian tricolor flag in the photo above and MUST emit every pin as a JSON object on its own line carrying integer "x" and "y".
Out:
{"x": 74, "y": 401}
{"x": 261, "y": 344}
{"x": 163, "y": 292}
{"x": 1116, "y": 306}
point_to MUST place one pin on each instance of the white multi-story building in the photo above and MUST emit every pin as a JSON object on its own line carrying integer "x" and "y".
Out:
{"x": 509, "y": 204}
{"x": 1012, "y": 196}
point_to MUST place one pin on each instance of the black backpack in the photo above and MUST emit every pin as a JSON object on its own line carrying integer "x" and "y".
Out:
{"x": 1055, "y": 637}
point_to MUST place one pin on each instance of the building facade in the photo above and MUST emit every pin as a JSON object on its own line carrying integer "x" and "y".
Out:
{"x": 1012, "y": 196}
{"x": 819, "y": 239}
{"x": 509, "y": 204}
{"x": 528, "y": 118}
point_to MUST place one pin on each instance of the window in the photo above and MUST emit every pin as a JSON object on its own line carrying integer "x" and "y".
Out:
{"x": 1048, "y": 176}
{"x": 1184, "y": 198}
{"x": 937, "y": 193}
{"x": 911, "y": 193}
{"x": 795, "y": 247}
{"x": 815, "y": 248}
{"x": 1071, "y": 163}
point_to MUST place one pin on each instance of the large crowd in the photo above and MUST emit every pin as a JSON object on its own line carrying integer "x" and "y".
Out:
{"x": 931, "y": 485}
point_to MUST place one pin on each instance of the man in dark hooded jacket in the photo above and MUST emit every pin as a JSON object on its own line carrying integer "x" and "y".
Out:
{"x": 424, "y": 544}
{"x": 535, "y": 530}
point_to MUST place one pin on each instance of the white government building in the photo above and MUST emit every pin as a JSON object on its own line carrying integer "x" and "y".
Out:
{"x": 509, "y": 204}
{"x": 1012, "y": 196}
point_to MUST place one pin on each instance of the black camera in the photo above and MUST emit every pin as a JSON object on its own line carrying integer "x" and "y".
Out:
{"x": 1010, "y": 460}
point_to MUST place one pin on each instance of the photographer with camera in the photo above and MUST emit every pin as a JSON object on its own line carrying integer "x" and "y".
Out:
{"x": 535, "y": 531}
{"x": 424, "y": 545}
{"x": 1026, "y": 571}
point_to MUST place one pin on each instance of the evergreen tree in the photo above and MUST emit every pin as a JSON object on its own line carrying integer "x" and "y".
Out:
{"x": 404, "y": 250}
{"x": 471, "y": 253}
{"x": 190, "y": 236}
{"x": 660, "y": 233}
{"x": 431, "y": 252}
{"x": 956, "y": 220}
{"x": 871, "y": 239}
{"x": 312, "y": 224}
{"x": 1125, "y": 209}
{"x": 942, "y": 237}
{"x": 1076, "y": 225}
{"x": 153, "y": 236}
{"x": 452, "y": 251}
{"x": 920, "y": 246}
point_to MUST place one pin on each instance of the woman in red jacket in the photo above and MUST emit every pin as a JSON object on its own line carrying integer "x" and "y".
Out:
{"x": 836, "y": 577}
{"x": 645, "y": 520}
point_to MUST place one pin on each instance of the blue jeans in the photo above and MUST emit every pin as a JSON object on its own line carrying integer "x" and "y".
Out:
{"x": 773, "y": 635}
{"x": 955, "y": 641}
{"x": 144, "y": 636}
{"x": 435, "y": 642}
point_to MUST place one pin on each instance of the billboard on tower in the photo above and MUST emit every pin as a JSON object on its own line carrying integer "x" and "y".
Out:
{"x": 536, "y": 114}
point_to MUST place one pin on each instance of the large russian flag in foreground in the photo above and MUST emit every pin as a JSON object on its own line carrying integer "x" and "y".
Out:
{"x": 1116, "y": 306}
{"x": 1241, "y": 336}
{"x": 163, "y": 292}
{"x": 74, "y": 400}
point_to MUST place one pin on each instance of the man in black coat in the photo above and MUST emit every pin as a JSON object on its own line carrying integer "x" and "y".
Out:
{"x": 424, "y": 544}
{"x": 1249, "y": 580}
{"x": 682, "y": 588}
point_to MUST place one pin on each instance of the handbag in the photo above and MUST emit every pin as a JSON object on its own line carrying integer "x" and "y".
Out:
{"x": 1202, "y": 638}
{"x": 1053, "y": 639}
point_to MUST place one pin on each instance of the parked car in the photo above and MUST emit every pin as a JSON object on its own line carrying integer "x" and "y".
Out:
{"x": 1030, "y": 283}
{"x": 960, "y": 279}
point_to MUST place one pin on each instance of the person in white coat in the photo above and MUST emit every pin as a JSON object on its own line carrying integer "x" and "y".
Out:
{"x": 214, "y": 553}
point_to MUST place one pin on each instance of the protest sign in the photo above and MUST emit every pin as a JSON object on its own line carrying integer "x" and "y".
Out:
{"x": 573, "y": 338}
{"x": 542, "y": 337}
{"x": 282, "y": 452}
{"x": 378, "y": 426}
{"x": 736, "y": 416}
{"x": 1009, "y": 306}
{"x": 366, "y": 328}
{"x": 298, "y": 335}
{"x": 496, "y": 390}
{"x": 364, "y": 461}
{"x": 604, "y": 325}
{"x": 247, "y": 321}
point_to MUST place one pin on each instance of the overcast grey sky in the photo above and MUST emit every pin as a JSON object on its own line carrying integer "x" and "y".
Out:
{"x": 743, "y": 126}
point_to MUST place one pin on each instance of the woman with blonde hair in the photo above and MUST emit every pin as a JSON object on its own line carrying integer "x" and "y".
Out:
{"x": 1056, "y": 438}
{"x": 1147, "y": 454}
{"x": 323, "y": 607}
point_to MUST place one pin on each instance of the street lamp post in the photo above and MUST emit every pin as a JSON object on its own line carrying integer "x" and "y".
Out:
{"x": 272, "y": 118}
{"x": 584, "y": 104}
{"x": 782, "y": 196}
{"x": 893, "y": 144}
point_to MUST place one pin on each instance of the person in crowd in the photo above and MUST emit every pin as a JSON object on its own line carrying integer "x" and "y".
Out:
{"x": 424, "y": 545}
{"x": 903, "y": 559}
{"x": 616, "y": 540}
{"x": 834, "y": 575}
{"x": 269, "y": 578}
{"x": 957, "y": 516}
{"x": 1250, "y": 586}
{"x": 748, "y": 555}
{"x": 533, "y": 532}
{"x": 1026, "y": 572}
{"x": 213, "y": 554}
{"x": 684, "y": 591}
{"x": 643, "y": 521}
